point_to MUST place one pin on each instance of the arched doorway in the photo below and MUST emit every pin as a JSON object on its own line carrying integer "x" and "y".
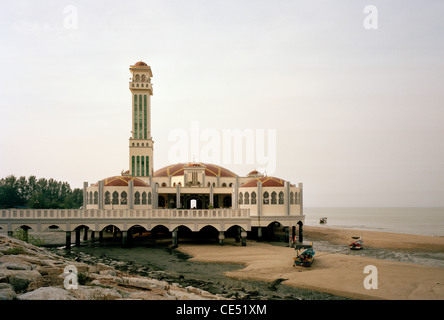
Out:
{"x": 137, "y": 233}
{"x": 208, "y": 234}
{"x": 194, "y": 202}
{"x": 227, "y": 202}
{"x": 110, "y": 233}
{"x": 161, "y": 202}
{"x": 275, "y": 231}
{"x": 160, "y": 232}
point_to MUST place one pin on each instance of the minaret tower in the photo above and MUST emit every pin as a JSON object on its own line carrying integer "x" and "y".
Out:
{"x": 140, "y": 142}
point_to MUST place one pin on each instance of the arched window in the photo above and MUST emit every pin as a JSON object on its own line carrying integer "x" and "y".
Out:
{"x": 138, "y": 167}
{"x": 143, "y": 165}
{"x": 247, "y": 198}
{"x": 281, "y": 197}
{"x": 140, "y": 116}
{"x": 266, "y": 198}
{"x": 135, "y": 125}
{"x": 241, "y": 198}
{"x": 96, "y": 197}
{"x": 164, "y": 184}
{"x": 297, "y": 197}
{"x": 137, "y": 198}
{"x": 291, "y": 197}
{"x": 144, "y": 197}
{"x": 145, "y": 117}
{"x": 253, "y": 197}
{"x": 224, "y": 185}
{"x": 107, "y": 197}
{"x": 115, "y": 197}
{"x": 90, "y": 200}
{"x": 137, "y": 78}
{"x": 273, "y": 198}
{"x": 149, "y": 197}
{"x": 123, "y": 198}
{"x": 143, "y": 78}
{"x": 209, "y": 184}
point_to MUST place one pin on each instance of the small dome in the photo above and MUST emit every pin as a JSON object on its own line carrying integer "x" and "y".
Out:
{"x": 254, "y": 173}
{"x": 266, "y": 182}
{"x": 141, "y": 64}
{"x": 122, "y": 181}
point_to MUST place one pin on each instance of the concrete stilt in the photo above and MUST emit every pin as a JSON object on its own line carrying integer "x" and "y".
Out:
{"x": 301, "y": 234}
{"x": 259, "y": 233}
{"x": 124, "y": 238}
{"x": 100, "y": 236}
{"x": 174, "y": 238}
{"x": 85, "y": 234}
{"x": 68, "y": 240}
{"x": 93, "y": 234}
{"x": 244, "y": 237}
{"x": 287, "y": 234}
{"x": 221, "y": 238}
{"x": 78, "y": 237}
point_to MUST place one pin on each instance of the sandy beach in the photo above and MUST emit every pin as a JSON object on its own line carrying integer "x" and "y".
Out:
{"x": 334, "y": 273}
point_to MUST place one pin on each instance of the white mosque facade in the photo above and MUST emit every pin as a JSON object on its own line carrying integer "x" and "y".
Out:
{"x": 190, "y": 186}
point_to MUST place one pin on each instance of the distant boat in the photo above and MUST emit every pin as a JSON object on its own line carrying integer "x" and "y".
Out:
{"x": 356, "y": 243}
{"x": 323, "y": 220}
{"x": 304, "y": 259}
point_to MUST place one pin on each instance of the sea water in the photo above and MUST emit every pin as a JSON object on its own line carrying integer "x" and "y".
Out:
{"x": 420, "y": 221}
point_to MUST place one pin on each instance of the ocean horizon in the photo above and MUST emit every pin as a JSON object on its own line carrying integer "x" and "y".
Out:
{"x": 427, "y": 221}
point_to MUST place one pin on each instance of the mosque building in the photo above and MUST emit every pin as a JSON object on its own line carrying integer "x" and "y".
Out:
{"x": 190, "y": 185}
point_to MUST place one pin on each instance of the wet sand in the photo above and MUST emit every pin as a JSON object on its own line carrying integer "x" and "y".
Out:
{"x": 160, "y": 261}
{"x": 336, "y": 273}
{"x": 376, "y": 239}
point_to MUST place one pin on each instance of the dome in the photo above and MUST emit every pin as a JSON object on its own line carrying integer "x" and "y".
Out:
{"x": 122, "y": 181}
{"x": 254, "y": 173}
{"x": 266, "y": 182}
{"x": 141, "y": 64}
{"x": 211, "y": 170}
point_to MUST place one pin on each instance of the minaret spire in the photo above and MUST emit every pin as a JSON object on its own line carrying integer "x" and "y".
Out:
{"x": 141, "y": 142}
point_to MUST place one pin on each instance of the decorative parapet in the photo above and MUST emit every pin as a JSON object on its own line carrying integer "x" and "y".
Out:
{"x": 11, "y": 214}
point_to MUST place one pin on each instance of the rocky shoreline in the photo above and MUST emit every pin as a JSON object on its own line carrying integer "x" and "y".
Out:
{"x": 28, "y": 272}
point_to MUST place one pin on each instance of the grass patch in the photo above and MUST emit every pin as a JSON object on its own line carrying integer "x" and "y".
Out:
{"x": 16, "y": 250}
{"x": 24, "y": 236}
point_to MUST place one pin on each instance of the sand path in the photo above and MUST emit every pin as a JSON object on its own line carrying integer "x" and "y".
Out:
{"x": 337, "y": 274}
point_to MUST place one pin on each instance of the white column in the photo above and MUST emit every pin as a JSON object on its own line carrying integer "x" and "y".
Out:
{"x": 85, "y": 186}
{"x": 287, "y": 198}
{"x": 301, "y": 198}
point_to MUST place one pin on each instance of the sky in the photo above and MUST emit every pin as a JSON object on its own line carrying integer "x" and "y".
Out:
{"x": 347, "y": 100}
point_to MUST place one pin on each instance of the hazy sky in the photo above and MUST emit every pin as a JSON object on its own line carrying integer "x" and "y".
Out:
{"x": 358, "y": 113}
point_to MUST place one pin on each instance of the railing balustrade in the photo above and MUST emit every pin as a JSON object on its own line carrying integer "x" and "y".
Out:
{"x": 123, "y": 213}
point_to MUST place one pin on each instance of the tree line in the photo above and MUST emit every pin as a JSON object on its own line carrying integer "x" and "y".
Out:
{"x": 38, "y": 193}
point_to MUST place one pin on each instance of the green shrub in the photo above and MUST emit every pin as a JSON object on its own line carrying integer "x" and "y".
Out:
{"x": 24, "y": 236}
